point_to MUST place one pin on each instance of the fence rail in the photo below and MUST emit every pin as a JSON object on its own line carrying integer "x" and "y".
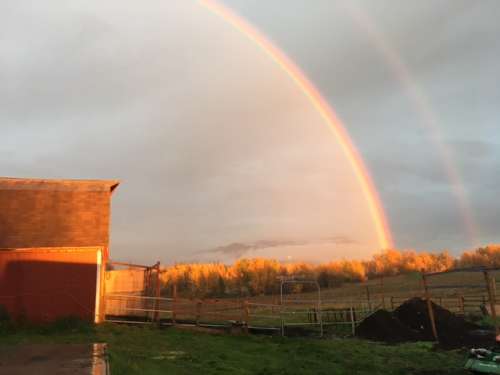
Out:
{"x": 122, "y": 308}
{"x": 245, "y": 315}
{"x": 308, "y": 309}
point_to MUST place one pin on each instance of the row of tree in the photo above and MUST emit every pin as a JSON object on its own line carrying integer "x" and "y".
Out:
{"x": 260, "y": 276}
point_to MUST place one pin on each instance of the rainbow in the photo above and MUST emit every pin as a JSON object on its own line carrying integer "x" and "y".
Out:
{"x": 429, "y": 118}
{"x": 321, "y": 106}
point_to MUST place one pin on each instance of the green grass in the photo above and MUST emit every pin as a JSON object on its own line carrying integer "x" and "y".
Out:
{"x": 143, "y": 350}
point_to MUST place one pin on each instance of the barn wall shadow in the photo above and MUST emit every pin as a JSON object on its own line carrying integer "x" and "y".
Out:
{"x": 43, "y": 291}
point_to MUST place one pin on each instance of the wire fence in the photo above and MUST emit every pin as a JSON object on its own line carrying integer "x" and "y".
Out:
{"x": 237, "y": 314}
{"x": 463, "y": 292}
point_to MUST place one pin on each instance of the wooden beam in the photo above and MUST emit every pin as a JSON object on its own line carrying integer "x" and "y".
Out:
{"x": 129, "y": 265}
{"x": 429, "y": 306}
{"x": 491, "y": 297}
{"x": 174, "y": 296}
{"x": 157, "y": 292}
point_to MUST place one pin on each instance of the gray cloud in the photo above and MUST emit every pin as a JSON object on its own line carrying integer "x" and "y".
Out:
{"x": 214, "y": 145}
{"x": 239, "y": 250}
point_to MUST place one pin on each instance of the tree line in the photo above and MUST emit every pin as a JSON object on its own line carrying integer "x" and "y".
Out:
{"x": 259, "y": 276}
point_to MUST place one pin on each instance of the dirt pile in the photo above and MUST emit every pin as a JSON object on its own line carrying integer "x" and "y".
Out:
{"x": 383, "y": 326}
{"x": 453, "y": 331}
{"x": 410, "y": 322}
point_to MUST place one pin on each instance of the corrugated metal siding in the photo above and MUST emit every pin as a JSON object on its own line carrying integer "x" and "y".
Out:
{"x": 42, "y": 285}
{"x": 53, "y": 218}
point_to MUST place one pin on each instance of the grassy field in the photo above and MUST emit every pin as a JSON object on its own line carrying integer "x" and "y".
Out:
{"x": 445, "y": 289}
{"x": 136, "y": 350}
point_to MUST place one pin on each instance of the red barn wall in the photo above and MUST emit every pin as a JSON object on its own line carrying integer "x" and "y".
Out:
{"x": 41, "y": 285}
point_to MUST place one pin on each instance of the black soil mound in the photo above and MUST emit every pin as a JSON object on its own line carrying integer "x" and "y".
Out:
{"x": 410, "y": 322}
{"x": 453, "y": 331}
{"x": 383, "y": 326}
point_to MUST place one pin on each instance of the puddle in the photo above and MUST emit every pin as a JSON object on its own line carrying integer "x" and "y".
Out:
{"x": 54, "y": 359}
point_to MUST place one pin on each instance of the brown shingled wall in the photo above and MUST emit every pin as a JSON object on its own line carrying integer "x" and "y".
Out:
{"x": 53, "y": 218}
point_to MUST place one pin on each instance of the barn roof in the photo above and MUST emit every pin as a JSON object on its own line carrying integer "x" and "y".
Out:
{"x": 8, "y": 183}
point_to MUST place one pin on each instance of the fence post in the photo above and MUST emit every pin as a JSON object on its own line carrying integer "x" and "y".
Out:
{"x": 494, "y": 286}
{"x": 198, "y": 312}
{"x": 320, "y": 312}
{"x": 353, "y": 324}
{"x": 382, "y": 291}
{"x": 147, "y": 292}
{"x": 368, "y": 298}
{"x": 146, "y": 282}
{"x": 429, "y": 306}
{"x": 282, "y": 321}
{"x": 157, "y": 293}
{"x": 461, "y": 302}
{"x": 392, "y": 303}
{"x": 246, "y": 311}
{"x": 491, "y": 297}
{"x": 174, "y": 300}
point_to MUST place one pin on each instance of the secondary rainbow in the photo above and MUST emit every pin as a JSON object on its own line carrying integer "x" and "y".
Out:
{"x": 428, "y": 117}
{"x": 320, "y": 104}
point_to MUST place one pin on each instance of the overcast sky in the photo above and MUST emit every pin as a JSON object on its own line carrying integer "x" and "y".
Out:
{"x": 219, "y": 153}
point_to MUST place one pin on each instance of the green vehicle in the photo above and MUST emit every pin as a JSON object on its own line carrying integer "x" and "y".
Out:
{"x": 484, "y": 361}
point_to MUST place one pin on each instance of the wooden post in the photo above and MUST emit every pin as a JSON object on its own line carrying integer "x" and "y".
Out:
{"x": 461, "y": 303}
{"x": 157, "y": 293}
{"x": 491, "y": 297}
{"x": 174, "y": 300}
{"x": 368, "y": 298}
{"x": 145, "y": 286}
{"x": 392, "y": 303}
{"x": 282, "y": 320}
{"x": 382, "y": 291}
{"x": 246, "y": 311}
{"x": 101, "y": 317}
{"x": 148, "y": 282}
{"x": 494, "y": 286}
{"x": 353, "y": 323}
{"x": 198, "y": 312}
{"x": 429, "y": 306}
{"x": 148, "y": 293}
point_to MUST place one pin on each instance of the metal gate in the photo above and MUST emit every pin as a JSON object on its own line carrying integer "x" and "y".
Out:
{"x": 132, "y": 292}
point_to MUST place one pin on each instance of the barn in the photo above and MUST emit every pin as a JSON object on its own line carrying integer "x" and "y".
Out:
{"x": 54, "y": 244}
